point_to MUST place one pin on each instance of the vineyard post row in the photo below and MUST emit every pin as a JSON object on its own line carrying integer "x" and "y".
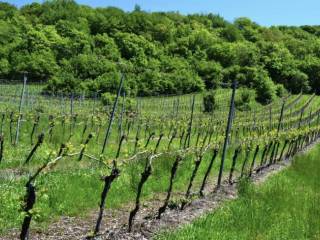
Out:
{"x": 271, "y": 148}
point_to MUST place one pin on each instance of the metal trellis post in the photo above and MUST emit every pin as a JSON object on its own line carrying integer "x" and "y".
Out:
{"x": 228, "y": 129}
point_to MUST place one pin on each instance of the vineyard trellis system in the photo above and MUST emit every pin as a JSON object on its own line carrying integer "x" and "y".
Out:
{"x": 175, "y": 133}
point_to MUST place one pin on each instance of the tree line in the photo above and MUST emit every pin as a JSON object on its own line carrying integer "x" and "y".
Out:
{"x": 74, "y": 47}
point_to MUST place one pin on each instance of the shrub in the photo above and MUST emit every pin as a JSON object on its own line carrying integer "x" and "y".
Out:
{"x": 265, "y": 92}
{"x": 108, "y": 99}
{"x": 243, "y": 102}
{"x": 281, "y": 91}
{"x": 64, "y": 82}
{"x": 211, "y": 73}
{"x": 297, "y": 81}
{"x": 130, "y": 104}
{"x": 209, "y": 102}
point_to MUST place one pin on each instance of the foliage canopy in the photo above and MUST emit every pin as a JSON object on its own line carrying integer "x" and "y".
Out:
{"x": 76, "y": 47}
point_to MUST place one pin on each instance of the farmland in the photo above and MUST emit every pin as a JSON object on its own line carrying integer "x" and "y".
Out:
{"x": 73, "y": 153}
{"x": 158, "y": 124}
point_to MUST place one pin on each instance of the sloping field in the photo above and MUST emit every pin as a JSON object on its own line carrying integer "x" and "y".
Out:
{"x": 70, "y": 156}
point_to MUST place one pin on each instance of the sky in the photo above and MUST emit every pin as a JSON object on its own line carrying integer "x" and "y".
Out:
{"x": 264, "y": 12}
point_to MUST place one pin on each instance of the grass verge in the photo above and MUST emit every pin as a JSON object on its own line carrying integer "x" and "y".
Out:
{"x": 286, "y": 206}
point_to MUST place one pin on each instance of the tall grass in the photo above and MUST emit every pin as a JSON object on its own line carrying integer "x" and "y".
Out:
{"x": 286, "y": 206}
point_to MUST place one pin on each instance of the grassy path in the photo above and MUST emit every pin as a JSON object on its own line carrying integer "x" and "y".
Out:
{"x": 286, "y": 206}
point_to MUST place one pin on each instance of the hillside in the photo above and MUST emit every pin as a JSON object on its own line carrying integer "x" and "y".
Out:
{"x": 77, "y": 48}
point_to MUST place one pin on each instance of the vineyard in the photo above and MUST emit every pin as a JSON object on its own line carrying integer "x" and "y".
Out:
{"x": 68, "y": 154}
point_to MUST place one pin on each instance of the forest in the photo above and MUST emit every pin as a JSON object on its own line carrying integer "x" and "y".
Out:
{"x": 72, "y": 47}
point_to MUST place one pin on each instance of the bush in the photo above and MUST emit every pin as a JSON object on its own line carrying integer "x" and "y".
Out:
{"x": 211, "y": 73}
{"x": 209, "y": 101}
{"x": 297, "y": 81}
{"x": 130, "y": 105}
{"x": 243, "y": 102}
{"x": 108, "y": 99}
{"x": 64, "y": 82}
{"x": 265, "y": 91}
{"x": 281, "y": 91}
{"x": 107, "y": 82}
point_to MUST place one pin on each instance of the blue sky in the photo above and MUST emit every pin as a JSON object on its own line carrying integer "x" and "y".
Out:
{"x": 264, "y": 12}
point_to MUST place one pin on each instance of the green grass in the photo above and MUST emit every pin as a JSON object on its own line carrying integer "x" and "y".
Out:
{"x": 77, "y": 192}
{"x": 287, "y": 206}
